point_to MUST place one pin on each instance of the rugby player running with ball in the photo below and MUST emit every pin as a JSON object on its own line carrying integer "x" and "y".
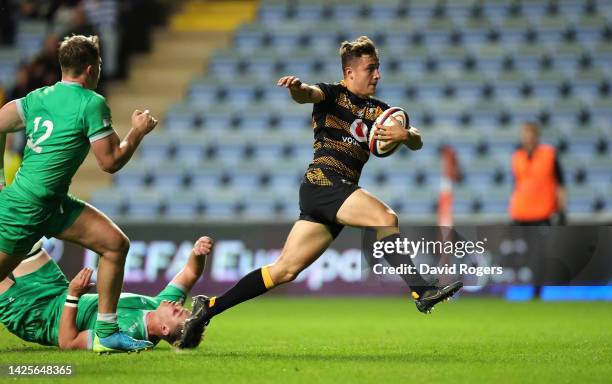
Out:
{"x": 330, "y": 197}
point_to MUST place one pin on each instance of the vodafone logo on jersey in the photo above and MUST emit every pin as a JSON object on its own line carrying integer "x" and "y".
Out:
{"x": 360, "y": 130}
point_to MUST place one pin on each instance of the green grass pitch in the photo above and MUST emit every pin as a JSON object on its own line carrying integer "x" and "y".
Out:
{"x": 365, "y": 340}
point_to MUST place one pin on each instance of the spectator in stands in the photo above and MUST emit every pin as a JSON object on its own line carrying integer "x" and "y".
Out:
{"x": 72, "y": 20}
{"x": 22, "y": 83}
{"x": 539, "y": 191}
{"x": 7, "y": 22}
{"x": 16, "y": 141}
{"x": 103, "y": 15}
{"x": 30, "y": 9}
{"x": 45, "y": 67}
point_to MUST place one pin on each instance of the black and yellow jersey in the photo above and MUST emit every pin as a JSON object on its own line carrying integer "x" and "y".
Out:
{"x": 341, "y": 123}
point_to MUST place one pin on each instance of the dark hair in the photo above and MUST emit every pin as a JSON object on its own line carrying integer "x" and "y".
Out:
{"x": 352, "y": 50}
{"x": 191, "y": 334}
{"x": 175, "y": 336}
{"x": 77, "y": 52}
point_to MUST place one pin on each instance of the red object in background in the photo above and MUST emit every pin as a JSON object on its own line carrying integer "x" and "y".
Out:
{"x": 450, "y": 174}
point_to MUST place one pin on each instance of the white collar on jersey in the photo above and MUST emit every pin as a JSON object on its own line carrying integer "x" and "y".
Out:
{"x": 70, "y": 83}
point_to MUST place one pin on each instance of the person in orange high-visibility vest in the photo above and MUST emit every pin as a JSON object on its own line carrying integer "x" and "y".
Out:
{"x": 539, "y": 191}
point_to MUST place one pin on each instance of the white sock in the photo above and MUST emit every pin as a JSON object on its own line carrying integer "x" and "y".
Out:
{"x": 108, "y": 317}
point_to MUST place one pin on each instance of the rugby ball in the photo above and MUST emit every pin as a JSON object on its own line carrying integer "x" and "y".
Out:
{"x": 376, "y": 146}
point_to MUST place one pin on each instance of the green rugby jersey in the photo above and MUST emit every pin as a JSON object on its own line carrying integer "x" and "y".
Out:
{"x": 61, "y": 121}
{"x": 31, "y": 308}
{"x": 131, "y": 310}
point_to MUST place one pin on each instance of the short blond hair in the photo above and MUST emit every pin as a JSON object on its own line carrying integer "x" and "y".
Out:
{"x": 351, "y": 50}
{"x": 76, "y": 52}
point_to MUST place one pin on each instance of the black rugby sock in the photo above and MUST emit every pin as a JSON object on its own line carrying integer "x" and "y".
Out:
{"x": 250, "y": 286}
{"x": 416, "y": 282}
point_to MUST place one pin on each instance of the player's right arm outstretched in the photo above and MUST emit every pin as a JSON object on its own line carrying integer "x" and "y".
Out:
{"x": 301, "y": 93}
{"x": 112, "y": 154}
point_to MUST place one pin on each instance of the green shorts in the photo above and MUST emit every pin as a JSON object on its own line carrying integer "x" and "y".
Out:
{"x": 22, "y": 222}
{"x": 31, "y": 308}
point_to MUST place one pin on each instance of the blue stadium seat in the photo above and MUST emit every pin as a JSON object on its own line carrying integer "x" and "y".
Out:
{"x": 181, "y": 118}
{"x": 30, "y": 36}
{"x": 220, "y": 205}
{"x": 109, "y": 200}
{"x": 285, "y": 180}
{"x": 217, "y": 122}
{"x": 133, "y": 176}
{"x": 258, "y": 207}
{"x": 230, "y": 153}
{"x": 206, "y": 179}
{"x": 468, "y": 72}
{"x": 156, "y": 148}
{"x": 9, "y": 61}
{"x": 169, "y": 177}
{"x": 144, "y": 204}
{"x": 183, "y": 205}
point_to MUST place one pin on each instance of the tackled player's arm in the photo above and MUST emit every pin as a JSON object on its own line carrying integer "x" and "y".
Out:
{"x": 301, "y": 93}
{"x": 69, "y": 336}
{"x": 194, "y": 268}
{"x": 112, "y": 154}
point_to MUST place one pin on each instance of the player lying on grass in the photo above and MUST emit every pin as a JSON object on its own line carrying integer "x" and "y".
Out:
{"x": 330, "y": 196}
{"x": 39, "y": 305}
{"x": 61, "y": 123}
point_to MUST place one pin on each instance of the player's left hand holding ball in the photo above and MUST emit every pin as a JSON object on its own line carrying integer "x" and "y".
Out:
{"x": 81, "y": 284}
{"x": 414, "y": 141}
{"x": 396, "y": 133}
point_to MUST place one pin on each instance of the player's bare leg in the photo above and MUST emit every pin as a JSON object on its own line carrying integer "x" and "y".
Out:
{"x": 95, "y": 231}
{"x": 32, "y": 263}
{"x": 5, "y": 285}
{"x": 305, "y": 244}
{"x": 8, "y": 263}
{"x": 362, "y": 209}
